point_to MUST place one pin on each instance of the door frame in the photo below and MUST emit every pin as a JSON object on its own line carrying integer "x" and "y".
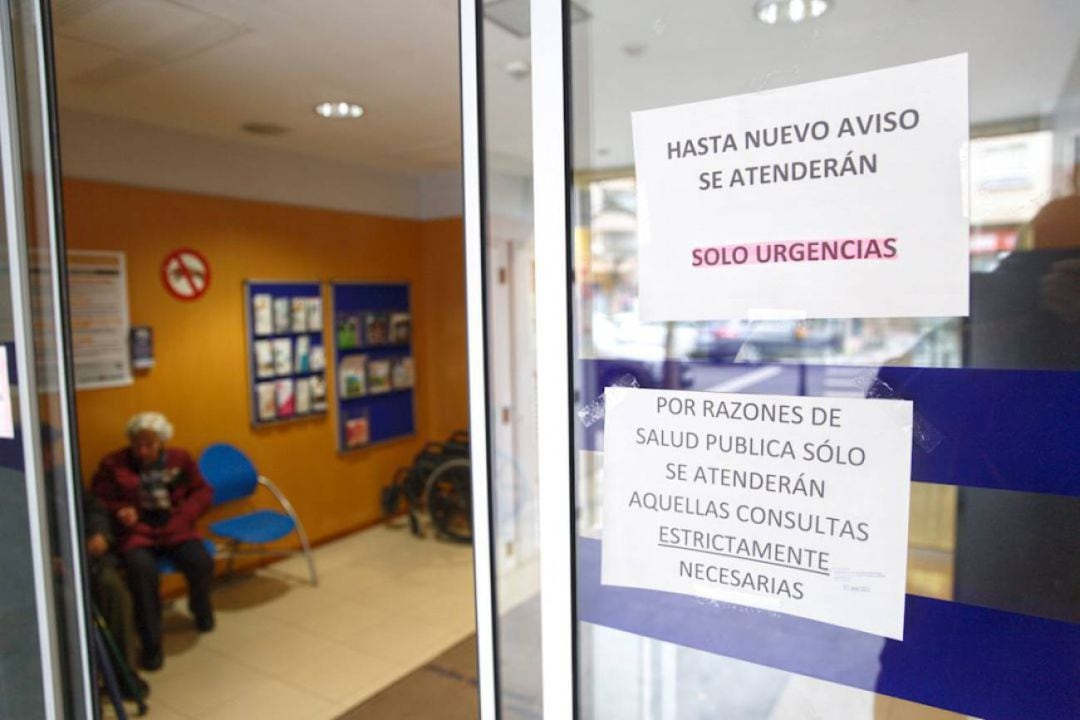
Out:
{"x": 470, "y": 17}
{"x": 36, "y": 33}
{"x": 554, "y": 387}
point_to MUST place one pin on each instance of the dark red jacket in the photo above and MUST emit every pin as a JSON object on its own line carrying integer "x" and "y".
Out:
{"x": 116, "y": 483}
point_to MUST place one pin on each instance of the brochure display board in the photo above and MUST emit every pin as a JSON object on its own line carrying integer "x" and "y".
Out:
{"x": 286, "y": 353}
{"x": 374, "y": 362}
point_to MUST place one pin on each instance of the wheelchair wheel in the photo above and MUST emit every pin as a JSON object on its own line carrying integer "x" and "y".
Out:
{"x": 448, "y": 497}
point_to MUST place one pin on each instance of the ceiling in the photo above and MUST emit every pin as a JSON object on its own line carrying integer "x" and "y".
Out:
{"x": 1020, "y": 54}
{"x": 209, "y": 66}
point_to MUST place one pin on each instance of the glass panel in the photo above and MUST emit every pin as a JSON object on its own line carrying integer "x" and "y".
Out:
{"x": 55, "y": 499}
{"x": 511, "y": 355}
{"x": 993, "y": 511}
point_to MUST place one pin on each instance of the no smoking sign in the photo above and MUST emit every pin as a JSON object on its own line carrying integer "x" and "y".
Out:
{"x": 186, "y": 274}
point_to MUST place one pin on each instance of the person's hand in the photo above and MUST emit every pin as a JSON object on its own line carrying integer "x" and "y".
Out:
{"x": 1061, "y": 290}
{"x": 97, "y": 545}
{"x": 127, "y": 516}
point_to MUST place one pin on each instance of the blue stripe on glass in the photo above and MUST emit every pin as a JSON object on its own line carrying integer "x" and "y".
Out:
{"x": 998, "y": 429}
{"x": 987, "y": 663}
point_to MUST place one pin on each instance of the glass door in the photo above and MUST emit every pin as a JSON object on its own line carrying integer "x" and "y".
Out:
{"x": 807, "y": 278}
{"x": 44, "y": 640}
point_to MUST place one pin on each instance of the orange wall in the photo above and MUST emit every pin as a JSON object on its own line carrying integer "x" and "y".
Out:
{"x": 200, "y": 380}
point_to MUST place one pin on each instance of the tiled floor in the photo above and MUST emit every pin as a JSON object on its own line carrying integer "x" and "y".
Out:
{"x": 386, "y": 604}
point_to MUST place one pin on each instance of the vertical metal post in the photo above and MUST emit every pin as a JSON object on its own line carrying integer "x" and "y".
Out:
{"x": 472, "y": 148}
{"x": 551, "y": 187}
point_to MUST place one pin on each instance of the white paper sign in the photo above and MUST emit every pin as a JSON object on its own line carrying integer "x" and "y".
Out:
{"x": 792, "y": 504}
{"x": 838, "y": 198}
{"x": 7, "y": 422}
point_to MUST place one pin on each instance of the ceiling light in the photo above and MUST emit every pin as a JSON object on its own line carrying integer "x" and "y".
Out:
{"x": 338, "y": 110}
{"x": 518, "y": 69}
{"x": 774, "y": 12}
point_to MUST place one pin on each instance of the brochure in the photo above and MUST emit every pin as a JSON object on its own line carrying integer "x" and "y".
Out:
{"x": 303, "y": 396}
{"x": 379, "y": 376}
{"x": 262, "y": 317}
{"x": 318, "y": 358}
{"x": 314, "y": 314}
{"x": 318, "y": 392}
{"x": 281, "y": 315}
{"x": 264, "y": 359}
{"x": 376, "y": 329}
{"x": 400, "y": 327}
{"x": 401, "y": 373}
{"x": 299, "y": 315}
{"x": 353, "y": 374}
{"x": 348, "y": 331}
{"x": 357, "y": 432}
{"x": 302, "y": 356}
{"x": 283, "y": 356}
{"x": 267, "y": 403}
{"x": 286, "y": 400}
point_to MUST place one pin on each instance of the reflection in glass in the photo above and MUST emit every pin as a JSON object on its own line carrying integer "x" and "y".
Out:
{"x": 991, "y": 529}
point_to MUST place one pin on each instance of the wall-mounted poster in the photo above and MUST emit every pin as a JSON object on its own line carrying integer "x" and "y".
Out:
{"x": 100, "y": 328}
{"x": 374, "y": 363}
{"x": 287, "y": 356}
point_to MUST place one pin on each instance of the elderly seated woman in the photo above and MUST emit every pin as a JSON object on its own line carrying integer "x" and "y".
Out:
{"x": 155, "y": 494}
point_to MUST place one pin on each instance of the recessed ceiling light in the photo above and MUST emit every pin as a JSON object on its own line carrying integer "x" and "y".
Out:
{"x": 338, "y": 110}
{"x": 778, "y": 12}
{"x": 518, "y": 69}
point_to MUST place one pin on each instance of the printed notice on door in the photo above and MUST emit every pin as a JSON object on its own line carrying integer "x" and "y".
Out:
{"x": 838, "y": 198}
{"x": 797, "y": 505}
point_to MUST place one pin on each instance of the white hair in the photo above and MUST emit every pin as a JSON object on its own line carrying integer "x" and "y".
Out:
{"x": 155, "y": 422}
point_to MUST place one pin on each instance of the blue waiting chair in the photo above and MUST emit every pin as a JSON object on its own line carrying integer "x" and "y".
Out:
{"x": 234, "y": 477}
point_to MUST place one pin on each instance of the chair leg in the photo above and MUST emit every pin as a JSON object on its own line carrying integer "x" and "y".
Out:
{"x": 288, "y": 508}
{"x": 307, "y": 552}
{"x": 233, "y": 547}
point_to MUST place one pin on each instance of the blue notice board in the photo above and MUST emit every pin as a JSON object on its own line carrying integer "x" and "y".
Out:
{"x": 373, "y": 363}
{"x": 286, "y": 351}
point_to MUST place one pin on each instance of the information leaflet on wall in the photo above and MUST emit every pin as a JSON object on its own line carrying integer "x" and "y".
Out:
{"x": 838, "y": 198}
{"x": 790, "y": 504}
{"x": 100, "y": 325}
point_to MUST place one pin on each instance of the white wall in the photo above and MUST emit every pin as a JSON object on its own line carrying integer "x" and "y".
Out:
{"x": 96, "y": 147}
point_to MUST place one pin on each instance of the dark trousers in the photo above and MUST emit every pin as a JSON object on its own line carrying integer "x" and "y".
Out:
{"x": 114, "y": 603}
{"x": 192, "y": 560}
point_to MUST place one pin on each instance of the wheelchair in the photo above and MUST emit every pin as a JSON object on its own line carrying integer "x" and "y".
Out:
{"x": 438, "y": 484}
